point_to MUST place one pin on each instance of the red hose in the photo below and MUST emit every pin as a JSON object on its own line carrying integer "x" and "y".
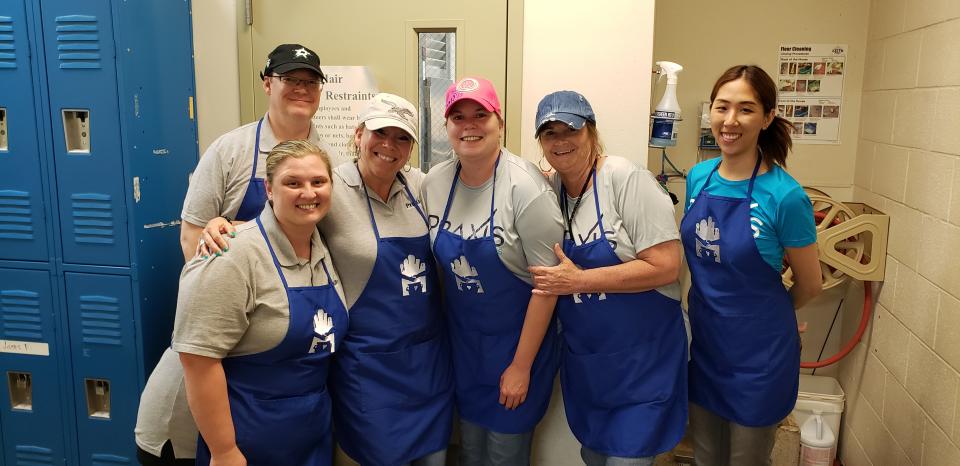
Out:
{"x": 864, "y": 319}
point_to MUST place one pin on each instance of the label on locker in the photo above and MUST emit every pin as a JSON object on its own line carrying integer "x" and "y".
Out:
{"x": 24, "y": 347}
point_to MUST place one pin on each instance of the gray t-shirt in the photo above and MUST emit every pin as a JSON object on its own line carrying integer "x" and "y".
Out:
{"x": 637, "y": 213}
{"x": 527, "y": 220}
{"x": 221, "y": 178}
{"x": 349, "y": 234}
{"x": 231, "y": 305}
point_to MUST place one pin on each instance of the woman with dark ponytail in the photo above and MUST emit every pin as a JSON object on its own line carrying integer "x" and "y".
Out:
{"x": 743, "y": 214}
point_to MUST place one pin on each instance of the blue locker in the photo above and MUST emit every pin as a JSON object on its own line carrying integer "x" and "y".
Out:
{"x": 105, "y": 385}
{"x": 31, "y": 397}
{"x": 87, "y": 150}
{"x": 23, "y": 234}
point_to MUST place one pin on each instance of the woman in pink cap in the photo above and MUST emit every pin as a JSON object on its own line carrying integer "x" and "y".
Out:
{"x": 492, "y": 215}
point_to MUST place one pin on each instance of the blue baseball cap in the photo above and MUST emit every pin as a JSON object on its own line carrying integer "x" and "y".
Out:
{"x": 566, "y": 106}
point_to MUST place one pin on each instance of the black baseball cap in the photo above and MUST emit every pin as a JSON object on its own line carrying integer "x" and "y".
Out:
{"x": 288, "y": 57}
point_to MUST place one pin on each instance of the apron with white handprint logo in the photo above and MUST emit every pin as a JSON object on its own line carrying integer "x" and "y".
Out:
{"x": 392, "y": 382}
{"x": 745, "y": 352}
{"x": 486, "y": 307}
{"x": 279, "y": 403}
{"x": 623, "y": 370}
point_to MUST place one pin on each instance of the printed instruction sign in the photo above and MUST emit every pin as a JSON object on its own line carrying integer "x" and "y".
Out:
{"x": 810, "y": 85}
{"x": 346, "y": 93}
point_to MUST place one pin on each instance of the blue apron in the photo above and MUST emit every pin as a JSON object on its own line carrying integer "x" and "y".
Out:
{"x": 392, "y": 382}
{"x": 278, "y": 398}
{"x": 256, "y": 195}
{"x": 745, "y": 353}
{"x": 486, "y": 306}
{"x": 623, "y": 370}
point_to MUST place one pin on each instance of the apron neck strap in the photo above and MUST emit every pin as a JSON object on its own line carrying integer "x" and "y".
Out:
{"x": 453, "y": 190}
{"x": 753, "y": 176}
{"x": 373, "y": 219}
{"x": 273, "y": 255}
{"x": 256, "y": 150}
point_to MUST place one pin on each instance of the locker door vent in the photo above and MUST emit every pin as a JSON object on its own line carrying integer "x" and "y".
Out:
{"x": 100, "y": 320}
{"x": 21, "y": 315}
{"x": 30, "y": 454}
{"x": 78, "y": 42}
{"x": 15, "y": 221}
{"x": 92, "y": 218}
{"x": 8, "y": 50}
{"x": 103, "y": 459}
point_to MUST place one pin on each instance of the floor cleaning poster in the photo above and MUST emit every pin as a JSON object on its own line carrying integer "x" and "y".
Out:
{"x": 345, "y": 94}
{"x": 810, "y": 84}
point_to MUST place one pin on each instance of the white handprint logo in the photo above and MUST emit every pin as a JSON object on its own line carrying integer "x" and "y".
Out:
{"x": 708, "y": 232}
{"x": 581, "y": 297}
{"x": 323, "y": 332}
{"x": 467, "y": 277}
{"x": 413, "y": 276}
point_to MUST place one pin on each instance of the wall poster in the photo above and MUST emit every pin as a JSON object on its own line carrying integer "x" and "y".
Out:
{"x": 810, "y": 85}
{"x": 344, "y": 95}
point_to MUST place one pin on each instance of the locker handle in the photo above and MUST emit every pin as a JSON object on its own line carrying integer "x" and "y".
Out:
{"x": 21, "y": 390}
{"x": 76, "y": 131}
{"x": 3, "y": 129}
{"x": 98, "y": 398}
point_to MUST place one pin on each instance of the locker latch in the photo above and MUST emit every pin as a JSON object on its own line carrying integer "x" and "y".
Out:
{"x": 21, "y": 390}
{"x": 3, "y": 129}
{"x": 76, "y": 130}
{"x": 98, "y": 398}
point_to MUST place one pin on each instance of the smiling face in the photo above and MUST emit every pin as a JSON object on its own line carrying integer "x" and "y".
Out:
{"x": 297, "y": 102}
{"x": 474, "y": 132}
{"x": 300, "y": 189}
{"x": 736, "y": 118}
{"x": 383, "y": 152}
{"x": 567, "y": 150}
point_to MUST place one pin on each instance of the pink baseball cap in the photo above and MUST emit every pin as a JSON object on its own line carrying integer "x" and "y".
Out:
{"x": 476, "y": 89}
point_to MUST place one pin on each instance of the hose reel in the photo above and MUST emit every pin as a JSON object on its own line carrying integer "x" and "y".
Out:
{"x": 852, "y": 241}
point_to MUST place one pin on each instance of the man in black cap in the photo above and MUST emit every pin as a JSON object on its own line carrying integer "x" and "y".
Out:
{"x": 227, "y": 186}
{"x": 228, "y": 182}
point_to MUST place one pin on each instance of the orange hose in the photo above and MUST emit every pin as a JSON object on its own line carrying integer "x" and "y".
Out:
{"x": 864, "y": 319}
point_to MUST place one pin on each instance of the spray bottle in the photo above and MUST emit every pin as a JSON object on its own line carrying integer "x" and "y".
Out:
{"x": 667, "y": 114}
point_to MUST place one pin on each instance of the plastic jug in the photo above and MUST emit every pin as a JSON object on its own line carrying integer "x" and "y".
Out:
{"x": 818, "y": 443}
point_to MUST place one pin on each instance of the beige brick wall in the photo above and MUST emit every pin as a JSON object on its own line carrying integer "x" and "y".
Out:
{"x": 902, "y": 381}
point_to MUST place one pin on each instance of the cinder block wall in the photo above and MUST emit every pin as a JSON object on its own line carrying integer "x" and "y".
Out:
{"x": 902, "y": 382}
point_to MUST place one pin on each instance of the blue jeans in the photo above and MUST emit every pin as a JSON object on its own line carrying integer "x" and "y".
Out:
{"x": 482, "y": 447}
{"x": 592, "y": 458}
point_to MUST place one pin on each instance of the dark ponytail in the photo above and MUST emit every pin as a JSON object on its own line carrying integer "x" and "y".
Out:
{"x": 775, "y": 141}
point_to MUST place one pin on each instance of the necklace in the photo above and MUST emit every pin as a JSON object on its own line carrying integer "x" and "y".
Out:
{"x": 576, "y": 205}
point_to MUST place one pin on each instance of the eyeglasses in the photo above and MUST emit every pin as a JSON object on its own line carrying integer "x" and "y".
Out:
{"x": 297, "y": 82}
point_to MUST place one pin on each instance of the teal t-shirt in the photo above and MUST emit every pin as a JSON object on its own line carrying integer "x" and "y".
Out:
{"x": 781, "y": 214}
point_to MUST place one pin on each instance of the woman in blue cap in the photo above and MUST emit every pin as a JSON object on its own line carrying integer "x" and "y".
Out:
{"x": 743, "y": 213}
{"x": 623, "y": 367}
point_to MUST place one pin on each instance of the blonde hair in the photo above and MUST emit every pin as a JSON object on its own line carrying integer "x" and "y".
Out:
{"x": 296, "y": 149}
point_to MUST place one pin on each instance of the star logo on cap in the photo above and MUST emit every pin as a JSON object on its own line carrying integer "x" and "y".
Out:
{"x": 301, "y": 52}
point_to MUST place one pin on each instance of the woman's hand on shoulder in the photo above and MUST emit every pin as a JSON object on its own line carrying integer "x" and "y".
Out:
{"x": 561, "y": 279}
{"x": 213, "y": 239}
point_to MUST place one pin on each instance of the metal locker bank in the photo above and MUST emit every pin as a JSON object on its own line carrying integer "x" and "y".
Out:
{"x": 97, "y": 140}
